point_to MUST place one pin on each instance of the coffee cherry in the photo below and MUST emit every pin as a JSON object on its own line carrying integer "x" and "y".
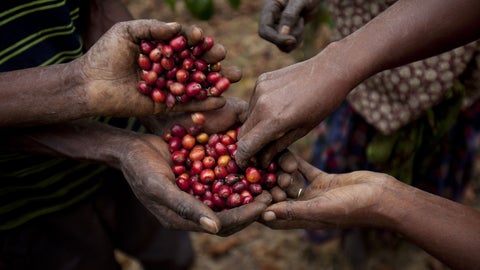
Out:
{"x": 206, "y": 169}
{"x": 213, "y": 77}
{"x": 167, "y": 50}
{"x": 178, "y": 130}
{"x": 164, "y": 63}
{"x": 224, "y": 191}
{"x": 252, "y": 174}
{"x": 255, "y": 188}
{"x": 144, "y": 62}
{"x": 155, "y": 55}
{"x": 183, "y": 184}
{"x": 182, "y": 75}
{"x": 188, "y": 141}
{"x": 198, "y": 118}
{"x": 178, "y": 43}
{"x": 222, "y": 84}
{"x": 198, "y": 188}
{"x": 143, "y": 87}
{"x": 178, "y": 157}
{"x": 146, "y": 46}
{"x": 207, "y": 43}
{"x": 234, "y": 200}
{"x": 192, "y": 89}
{"x": 208, "y": 162}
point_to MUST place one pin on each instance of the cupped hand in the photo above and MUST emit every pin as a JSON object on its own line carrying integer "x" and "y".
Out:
{"x": 110, "y": 70}
{"x": 282, "y": 21}
{"x": 335, "y": 200}
{"x": 218, "y": 120}
{"x": 146, "y": 166}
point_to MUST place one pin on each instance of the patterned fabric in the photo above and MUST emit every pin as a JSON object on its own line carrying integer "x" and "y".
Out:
{"x": 391, "y": 99}
{"x": 344, "y": 136}
{"x": 40, "y": 33}
{"x": 416, "y": 122}
{"x": 413, "y": 117}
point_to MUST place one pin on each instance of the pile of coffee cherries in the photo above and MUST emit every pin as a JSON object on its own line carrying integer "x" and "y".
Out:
{"x": 172, "y": 72}
{"x": 204, "y": 166}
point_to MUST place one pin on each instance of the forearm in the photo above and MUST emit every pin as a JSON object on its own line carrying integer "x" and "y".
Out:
{"x": 407, "y": 31}
{"x": 25, "y": 94}
{"x": 83, "y": 140}
{"x": 447, "y": 230}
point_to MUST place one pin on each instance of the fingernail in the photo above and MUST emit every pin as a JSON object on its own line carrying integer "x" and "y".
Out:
{"x": 172, "y": 24}
{"x": 209, "y": 225}
{"x": 285, "y": 30}
{"x": 269, "y": 216}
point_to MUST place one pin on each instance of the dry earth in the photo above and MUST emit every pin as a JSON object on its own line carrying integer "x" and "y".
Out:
{"x": 258, "y": 247}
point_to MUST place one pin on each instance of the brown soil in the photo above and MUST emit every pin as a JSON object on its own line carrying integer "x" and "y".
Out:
{"x": 258, "y": 247}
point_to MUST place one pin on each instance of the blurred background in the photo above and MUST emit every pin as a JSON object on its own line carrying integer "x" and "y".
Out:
{"x": 234, "y": 24}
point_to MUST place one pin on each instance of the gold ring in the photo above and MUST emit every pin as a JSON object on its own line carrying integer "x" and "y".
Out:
{"x": 299, "y": 192}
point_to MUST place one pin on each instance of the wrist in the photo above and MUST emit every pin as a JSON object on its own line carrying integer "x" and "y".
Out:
{"x": 345, "y": 67}
{"x": 393, "y": 203}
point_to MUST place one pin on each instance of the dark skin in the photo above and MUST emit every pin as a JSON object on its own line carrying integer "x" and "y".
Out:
{"x": 219, "y": 120}
{"x": 102, "y": 82}
{"x": 403, "y": 33}
{"x": 282, "y": 22}
{"x": 447, "y": 230}
{"x": 283, "y": 108}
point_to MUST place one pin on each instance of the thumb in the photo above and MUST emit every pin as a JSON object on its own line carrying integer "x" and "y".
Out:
{"x": 150, "y": 29}
{"x": 290, "y": 17}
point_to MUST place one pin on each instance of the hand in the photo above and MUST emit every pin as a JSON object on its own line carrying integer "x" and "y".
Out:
{"x": 336, "y": 200}
{"x": 287, "y": 104}
{"x": 218, "y": 120}
{"x": 110, "y": 69}
{"x": 282, "y": 21}
{"x": 146, "y": 166}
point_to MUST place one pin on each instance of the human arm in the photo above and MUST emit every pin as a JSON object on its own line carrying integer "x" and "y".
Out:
{"x": 287, "y": 103}
{"x": 143, "y": 159}
{"x": 282, "y": 22}
{"x": 219, "y": 121}
{"x": 447, "y": 230}
{"x": 102, "y": 82}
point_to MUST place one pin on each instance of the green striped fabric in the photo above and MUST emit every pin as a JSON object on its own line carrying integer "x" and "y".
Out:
{"x": 40, "y": 33}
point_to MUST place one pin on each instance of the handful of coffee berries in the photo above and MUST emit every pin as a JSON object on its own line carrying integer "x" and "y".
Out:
{"x": 173, "y": 72}
{"x": 204, "y": 166}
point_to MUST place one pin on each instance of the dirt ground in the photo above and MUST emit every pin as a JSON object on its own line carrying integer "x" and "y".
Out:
{"x": 258, "y": 247}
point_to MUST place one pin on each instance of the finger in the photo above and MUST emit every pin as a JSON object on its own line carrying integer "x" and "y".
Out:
{"x": 233, "y": 73}
{"x": 267, "y": 25}
{"x": 290, "y": 17}
{"x": 193, "y": 34}
{"x": 238, "y": 218}
{"x": 278, "y": 194}
{"x": 216, "y": 54}
{"x": 150, "y": 29}
{"x": 297, "y": 30}
{"x": 171, "y": 220}
{"x": 291, "y": 210}
{"x": 287, "y": 161}
{"x": 295, "y": 224}
{"x": 190, "y": 208}
{"x": 254, "y": 140}
{"x": 292, "y": 184}
{"x": 211, "y": 103}
{"x": 280, "y": 144}
{"x": 309, "y": 171}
